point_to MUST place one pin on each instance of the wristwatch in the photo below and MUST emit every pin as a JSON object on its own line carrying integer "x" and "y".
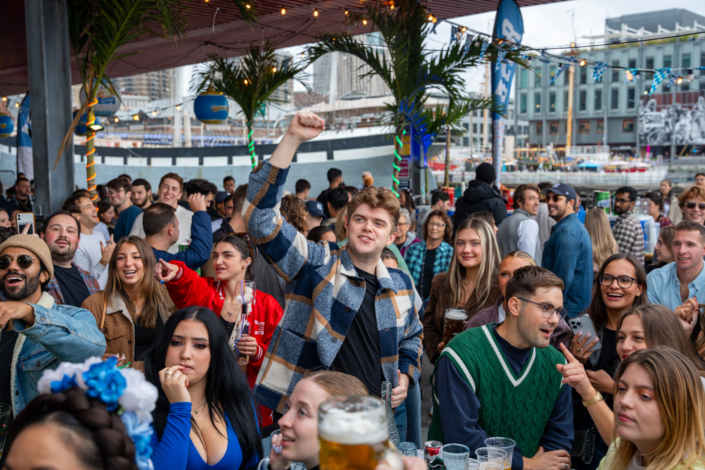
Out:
{"x": 594, "y": 400}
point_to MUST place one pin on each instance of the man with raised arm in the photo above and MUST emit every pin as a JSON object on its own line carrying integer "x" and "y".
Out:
{"x": 345, "y": 310}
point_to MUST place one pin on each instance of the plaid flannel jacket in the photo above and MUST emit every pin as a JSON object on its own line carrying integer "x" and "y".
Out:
{"x": 323, "y": 294}
{"x": 54, "y": 291}
{"x": 629, "y": 235}
{"x": 415, "y": 258}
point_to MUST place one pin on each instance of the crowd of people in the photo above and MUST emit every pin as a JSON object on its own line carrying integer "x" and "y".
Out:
{"x": 247, "y": 307}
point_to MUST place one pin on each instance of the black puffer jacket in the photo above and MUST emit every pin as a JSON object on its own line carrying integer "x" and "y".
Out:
{"x": 479, "y": 197}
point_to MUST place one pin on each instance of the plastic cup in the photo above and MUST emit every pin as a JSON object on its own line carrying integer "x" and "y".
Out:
{"x": 473, "y": 464}
{"x": 407, "y": 449}
{"x": 506, "y": 445}
{"x": 456, "y": 456}
{"x": 491, "y": 455}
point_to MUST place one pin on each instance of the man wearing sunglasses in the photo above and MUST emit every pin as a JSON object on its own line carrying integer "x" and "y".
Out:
{"x": 568, "y": 252}
{"x": 37, "y": 333}
{"x": 627, "y": 229}
{"x": 501, "y": 380}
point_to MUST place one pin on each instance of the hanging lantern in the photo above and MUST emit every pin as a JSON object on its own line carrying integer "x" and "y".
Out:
{"x": 108, "y": 102}
{"x": 211, "y": 107}
{"x": 7, "y": 125}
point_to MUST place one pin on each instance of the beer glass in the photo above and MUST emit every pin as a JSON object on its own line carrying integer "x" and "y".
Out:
{"x": 506, "y": 445}
{"x": 454, "y": 323}
{"x": 353, "y": 434}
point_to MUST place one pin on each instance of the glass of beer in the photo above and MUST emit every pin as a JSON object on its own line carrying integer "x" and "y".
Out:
{"x": 353, "y": 434}
{"x": 454, "y": 323}
{"x": 491, "y": 458}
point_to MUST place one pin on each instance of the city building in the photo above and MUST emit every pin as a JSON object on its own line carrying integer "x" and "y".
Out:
{"x": 618, "y": 113}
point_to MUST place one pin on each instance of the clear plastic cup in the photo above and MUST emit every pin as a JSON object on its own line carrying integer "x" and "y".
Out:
{"x": 491, "y": 455}
{"x": 506, "y": 445}
{"x": 456, "y": 456}
{"x": 408, "y": 449}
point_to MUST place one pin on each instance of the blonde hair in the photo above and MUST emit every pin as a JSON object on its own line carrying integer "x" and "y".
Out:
{"x": 489, "y": 266}
{"x": 377, "y": 197}
{"x": 681, "y": 403}
{"x": 340, "y": 232}
{"x": 521, "y": 255}
{"x": 337, "y": 383}
{"x": 603, "y": 243}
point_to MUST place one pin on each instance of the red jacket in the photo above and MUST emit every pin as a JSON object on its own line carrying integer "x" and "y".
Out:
{"x": 188, "y": 289}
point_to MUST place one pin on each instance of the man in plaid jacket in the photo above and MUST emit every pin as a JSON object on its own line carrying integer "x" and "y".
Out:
{"x": 627, "y": 229}
{"x": 345, "y": 310}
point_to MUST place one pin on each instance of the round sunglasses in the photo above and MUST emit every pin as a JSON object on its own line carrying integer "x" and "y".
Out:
{"x": 23, "y": 261}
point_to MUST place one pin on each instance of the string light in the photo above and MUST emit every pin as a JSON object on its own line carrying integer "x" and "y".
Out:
{"x": 430, "y": 18}
{"x": 247, "y": 6}
{"x": 154, "y": 113}
{"x": 315, "y": 13}
{"x": 245, "y": 82}
{"x": 117, "y": 119}
{"x": 680, "y": 80}
{"x": 178, "y": 107}
{"x": 283, "y": 11}
{"x": 4, "y": 98}
{"x": 364, "y": 22}
{"x": 463, "y": 29}
{"x": 136, "y": 117}
{"x": 17, "y": 105}
{"x": 347, "y": 12}
{"x": 583, "y": 62}
{"x": 274, "y": 69}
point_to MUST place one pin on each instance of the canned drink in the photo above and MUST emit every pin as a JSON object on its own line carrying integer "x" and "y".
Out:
{"x": 431, "y": 450}
{"x": 183, "y": 248}
{"x": 602, "y": 200}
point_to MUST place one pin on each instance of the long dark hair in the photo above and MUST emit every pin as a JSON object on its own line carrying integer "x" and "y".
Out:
{"x": 227, "y": 392}
{"x": 597, "y": 309}
{"x": 241, "y": 242}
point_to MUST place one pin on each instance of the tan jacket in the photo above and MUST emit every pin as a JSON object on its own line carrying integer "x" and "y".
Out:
{"x": 441, "y": 300}
{"x": 117, "y": 325}
{"x": 674, "y": 212}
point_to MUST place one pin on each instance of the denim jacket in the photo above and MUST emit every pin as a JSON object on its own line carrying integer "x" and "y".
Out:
{"x": 61, "y": 333}
{"x": 568, "y": 254}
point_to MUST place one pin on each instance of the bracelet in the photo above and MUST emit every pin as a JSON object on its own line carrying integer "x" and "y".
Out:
{"x": 594, "y": 400}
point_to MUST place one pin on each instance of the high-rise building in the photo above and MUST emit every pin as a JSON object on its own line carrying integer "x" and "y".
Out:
{"x": 154, "y": 85}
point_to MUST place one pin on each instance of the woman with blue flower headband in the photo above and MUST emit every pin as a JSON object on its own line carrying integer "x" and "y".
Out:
{"x": 90, "y": 416}
{"x": 205, "y": 416}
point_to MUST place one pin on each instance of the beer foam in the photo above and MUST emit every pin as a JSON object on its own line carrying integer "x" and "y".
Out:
{"x": 348, "y": 428}
{"x": 456, "y": 315}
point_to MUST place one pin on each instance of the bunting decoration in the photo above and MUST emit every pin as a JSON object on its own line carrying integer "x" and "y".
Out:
{"x": 285, "y": 64}
{"x": 659, "y": 76}
{"x": 454, "y": 34}
{"x": 599, "y": 70}
{"x": 501, "y": 53}
{"x": 558, "y": 73}
{"x": 672, "y": 81}
{"x": 468, "y": 43}
{"x": 544, "y": 57}
{"x": 485, "y": 45}
{"x": 630, "y": 75}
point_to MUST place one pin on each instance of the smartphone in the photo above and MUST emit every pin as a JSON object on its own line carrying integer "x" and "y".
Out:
{"x": 23, "y": 219}
{"x": 583, "y": 324}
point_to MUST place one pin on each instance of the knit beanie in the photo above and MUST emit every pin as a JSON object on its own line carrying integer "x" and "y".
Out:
{"x": 485, "y": 173}
{"x": 34, "y": 244}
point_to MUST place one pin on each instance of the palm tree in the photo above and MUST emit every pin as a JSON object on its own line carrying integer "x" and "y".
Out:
{"x": 408, "y": 69}
{"x": 98, "y": 28}
{"x": 249, "y": 81}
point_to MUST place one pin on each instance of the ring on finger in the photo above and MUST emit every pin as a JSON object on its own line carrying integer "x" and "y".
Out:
{"x": 580, "y": 349}
{"x": 168, "y": 373}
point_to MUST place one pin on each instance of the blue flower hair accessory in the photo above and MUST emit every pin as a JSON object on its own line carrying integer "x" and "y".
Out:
{"x": 124, "y": 390}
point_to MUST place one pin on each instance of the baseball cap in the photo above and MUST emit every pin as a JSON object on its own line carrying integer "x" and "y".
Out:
{"x": 315, "y": 208}
{"x": 220, "y": 197}
{"x": 561, "y": 189}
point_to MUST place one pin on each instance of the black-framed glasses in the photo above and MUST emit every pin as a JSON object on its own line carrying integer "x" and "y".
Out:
{"x": 691, "y": 205}
{"x": 625, "y": 282}
{"x": 23, "y": 261}
{"x": 555, "y": 197}
{"x": 546, "y": 310}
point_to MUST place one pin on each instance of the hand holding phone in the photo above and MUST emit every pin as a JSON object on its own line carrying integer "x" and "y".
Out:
{"x": 25, "y": 223}
{"x": 585, "y": 341}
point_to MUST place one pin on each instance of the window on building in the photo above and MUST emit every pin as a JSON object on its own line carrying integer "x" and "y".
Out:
{"x": 466, "y": 142}
{"x": 552, "y": 72}
{"x": 598, "y": 99}
{"x": 522, "y": 103}
{"x": 627, "y": 126}
{"x": 552, "y": 102}
{"x": 615, "y": 72}
{"x": 565, "y": 102}
{"x": 600, "y": 127}
{"x": 667, "y": 61}
{"x": 566, "y": 77}
{"x": 466, "y": 126}
{"x": 539, "y": 128}
{"x": 553, "y": 128}
{"x": 632, "y": 63}
{"x": 474, "y": 128}
{"x": 537, "y": 102}
{"x": 702, "y": 59}
{"x": 614, "y": 98}
{"x": 583, "y": 75}
{"x": 685, "y": 86}
{"x": 523, "y": 78}
{"x": 537, "y": 76}
{"x": 650, "y": 63}
{"x": 702, "y": 84}
{"x": 582, "y": 100}
{"x": 584, "y": 127}
{"x": 685, "y": 61}
{"x": 631, "y": 97}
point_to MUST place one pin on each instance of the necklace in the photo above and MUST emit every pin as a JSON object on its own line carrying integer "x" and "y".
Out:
{"x": 195, "y": 410}
{"x": 227, "y": 309}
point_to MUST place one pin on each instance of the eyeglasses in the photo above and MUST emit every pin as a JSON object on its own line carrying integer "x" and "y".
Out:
{"x": 437, "y": 225}
{"x": 115, "y": 193}
{"x": 625, "y": 282}
{"x": 546, "y": 310}
{"x": 403, "y": 223}
{"x": 691, "y": 205}
{"x": 555, "y": 198}
{"x": 23, "y": 261}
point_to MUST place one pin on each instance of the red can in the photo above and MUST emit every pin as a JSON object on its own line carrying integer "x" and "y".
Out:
{"x": 432, "y": 449}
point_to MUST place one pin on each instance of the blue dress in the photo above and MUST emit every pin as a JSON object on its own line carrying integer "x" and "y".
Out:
{"x": 176, "y": 450}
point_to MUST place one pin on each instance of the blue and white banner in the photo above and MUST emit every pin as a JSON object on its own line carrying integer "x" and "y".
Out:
{"x": 508, "y": 26}
{"x": 25, "y": 162}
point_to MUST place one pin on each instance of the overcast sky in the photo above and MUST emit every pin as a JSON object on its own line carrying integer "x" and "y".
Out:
{"x": 554, "y": 24}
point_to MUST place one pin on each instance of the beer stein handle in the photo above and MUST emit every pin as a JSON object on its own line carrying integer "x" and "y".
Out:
{"x": 393, "y": 458}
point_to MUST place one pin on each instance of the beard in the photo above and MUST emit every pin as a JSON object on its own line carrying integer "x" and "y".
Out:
{"x": 62, "y": 254}
{"x": 30, "y": 286}
{"x": 531, "y": 336}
